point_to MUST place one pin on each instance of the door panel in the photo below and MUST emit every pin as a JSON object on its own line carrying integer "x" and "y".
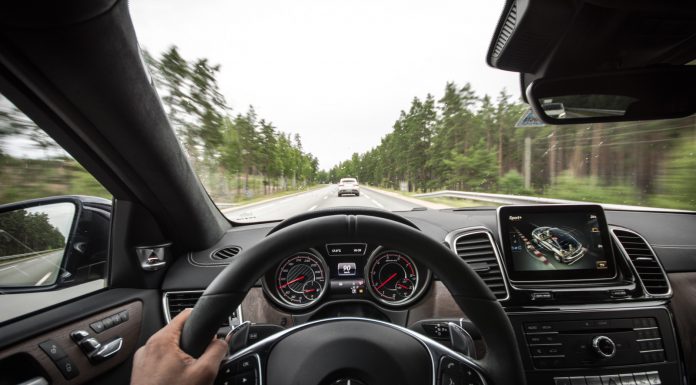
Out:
{"x": 21, "y": 341}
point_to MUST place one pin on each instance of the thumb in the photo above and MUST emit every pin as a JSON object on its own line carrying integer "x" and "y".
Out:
{"x": 213, "y": 354}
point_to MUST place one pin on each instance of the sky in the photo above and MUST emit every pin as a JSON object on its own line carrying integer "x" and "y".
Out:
{"x": 338, "y": 72}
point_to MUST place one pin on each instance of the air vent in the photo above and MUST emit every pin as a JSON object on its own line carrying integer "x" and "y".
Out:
{"x": 477, "y": 250}
{"x": 506, "y": 30}
{"x": 226, "y": 253}
{"x": 176, "y": 301}
{"x": 644, "y": 261}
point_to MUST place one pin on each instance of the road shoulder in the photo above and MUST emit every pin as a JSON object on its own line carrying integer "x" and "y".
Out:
{"x": 415, "y": 201}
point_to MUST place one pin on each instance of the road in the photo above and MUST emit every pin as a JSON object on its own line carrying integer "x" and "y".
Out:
{"x": 36, "y": 271}
{"x": 315, "y": 200}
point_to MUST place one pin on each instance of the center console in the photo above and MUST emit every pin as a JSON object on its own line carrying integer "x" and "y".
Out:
{"x": 558, "y": 346}
{"x": 578, "y": 303}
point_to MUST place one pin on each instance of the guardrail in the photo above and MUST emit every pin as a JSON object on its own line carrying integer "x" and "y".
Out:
{"x": 15, "y": 257}
{"x": 504, "y": 199}
{"x": 507, "y": 199}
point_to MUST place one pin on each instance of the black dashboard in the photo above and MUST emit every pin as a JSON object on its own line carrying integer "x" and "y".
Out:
{"x": 587, "y": 290}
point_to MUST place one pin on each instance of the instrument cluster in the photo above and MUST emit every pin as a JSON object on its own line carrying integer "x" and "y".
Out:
{"x": 340, "y": 271}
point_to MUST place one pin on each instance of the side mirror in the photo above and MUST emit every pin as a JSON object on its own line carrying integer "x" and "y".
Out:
{"x": 644, "y": 94}
{"x": 53, "y": 242}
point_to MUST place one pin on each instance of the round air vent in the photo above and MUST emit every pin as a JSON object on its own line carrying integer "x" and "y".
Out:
{"x": 226, "y": 253}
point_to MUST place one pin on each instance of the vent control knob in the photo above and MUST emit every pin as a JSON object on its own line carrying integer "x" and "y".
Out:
{"x": 604, "y": 346}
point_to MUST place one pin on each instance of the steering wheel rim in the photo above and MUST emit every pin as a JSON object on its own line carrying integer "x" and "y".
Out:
{"x": 502, "y": 363}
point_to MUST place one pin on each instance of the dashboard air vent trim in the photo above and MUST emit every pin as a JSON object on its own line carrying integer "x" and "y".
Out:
{"x": 644, "y": 262}
{"x": 224, "y": 253}
{"x": 188, "y": 298}
{"x": 484, "y": 262}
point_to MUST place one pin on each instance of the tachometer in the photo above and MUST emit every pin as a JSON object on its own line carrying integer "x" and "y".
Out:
{"x": 301, "y": 279}
{"x": 392, "y": 277}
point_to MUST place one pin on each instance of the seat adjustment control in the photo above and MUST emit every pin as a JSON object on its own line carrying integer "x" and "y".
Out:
{"x": 107, "y": 350}
{"x": 89, "y": 345}
{"x": 94, "y": 350}
{"x": 78, "y": 335}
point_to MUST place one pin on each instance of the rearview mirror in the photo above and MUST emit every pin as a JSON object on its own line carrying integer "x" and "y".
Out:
{"x": 661, "y": 93}
{"x": 52, "y": 242}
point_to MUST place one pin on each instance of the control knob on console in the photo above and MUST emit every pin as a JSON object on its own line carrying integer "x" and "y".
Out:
{"x": 604, "y": 346}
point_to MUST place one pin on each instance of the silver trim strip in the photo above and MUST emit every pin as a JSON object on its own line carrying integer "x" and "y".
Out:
{"x": 649, "y": 339}
{"x": 430, "y": 345}
{"x": 633, "y": 267}
{"x": 454, "y": 236}
{"x": 652, "y": 351}
{"x": 595, "y": 308}
{"x": 168, "y": 316}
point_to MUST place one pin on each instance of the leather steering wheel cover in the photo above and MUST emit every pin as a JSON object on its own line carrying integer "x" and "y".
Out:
{"x": 342, "y": 211}
{"x": 502, "y": 362}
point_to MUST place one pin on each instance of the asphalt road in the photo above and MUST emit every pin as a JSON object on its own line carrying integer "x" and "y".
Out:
{"x": 315, "y": 200}
{"x": 37, "y": 271}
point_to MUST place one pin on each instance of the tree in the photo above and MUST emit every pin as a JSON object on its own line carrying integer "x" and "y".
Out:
{"x": 24, "y": 232}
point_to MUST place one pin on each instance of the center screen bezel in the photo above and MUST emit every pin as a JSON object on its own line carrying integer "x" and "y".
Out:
{"x": 528, "y": 276}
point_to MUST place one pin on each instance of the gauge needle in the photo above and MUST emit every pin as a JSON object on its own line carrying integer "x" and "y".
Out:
{"x": 401, "y": 286}
{"x": 310, "y": 290}
{"x": 293, "y": 281}
{"x": 385, "y": 281}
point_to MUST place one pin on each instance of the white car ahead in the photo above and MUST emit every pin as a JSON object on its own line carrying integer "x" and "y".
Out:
{"x": 348, "y": 186}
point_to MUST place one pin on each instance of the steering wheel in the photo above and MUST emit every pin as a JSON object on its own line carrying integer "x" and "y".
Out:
{"x": 357, "y": 351}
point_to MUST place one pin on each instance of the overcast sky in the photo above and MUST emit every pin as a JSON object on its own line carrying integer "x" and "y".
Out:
{"x": 335, "y": 71}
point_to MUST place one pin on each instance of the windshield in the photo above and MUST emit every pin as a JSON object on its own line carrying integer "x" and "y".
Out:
{"x": 278, "y": 103}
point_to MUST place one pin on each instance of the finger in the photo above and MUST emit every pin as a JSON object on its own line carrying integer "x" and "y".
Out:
{"x": 178, "y": 322}
{"x": 213, "y": 354}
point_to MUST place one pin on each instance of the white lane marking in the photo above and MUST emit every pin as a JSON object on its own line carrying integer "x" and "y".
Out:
{"x": 312, "y": 208}
{"x": 7, "y": 268}
{"x": 377, "y": 203}
{"x": 43, "y": 279}
{"x": 365, "y": 195}
{"x": 265, "y": 206}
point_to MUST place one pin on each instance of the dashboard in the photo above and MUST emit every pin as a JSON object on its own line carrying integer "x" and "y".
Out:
{"x": 590, "y": 292}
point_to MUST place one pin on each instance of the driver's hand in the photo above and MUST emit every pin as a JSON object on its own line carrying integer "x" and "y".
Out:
{"x": 162, "y": 362}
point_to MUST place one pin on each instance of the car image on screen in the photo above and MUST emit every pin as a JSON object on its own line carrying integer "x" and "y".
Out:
{"x": 565, "y": 248}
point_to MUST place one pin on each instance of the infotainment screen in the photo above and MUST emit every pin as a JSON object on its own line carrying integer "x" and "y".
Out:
{"x": 556, "y": 243}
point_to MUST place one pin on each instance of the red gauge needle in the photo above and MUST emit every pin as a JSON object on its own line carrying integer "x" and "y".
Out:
{"x": 310, "y": 290}
{"x": 401, "y": 286}
{"x": 385, "y": 281}
{"x": 293, "y": 281}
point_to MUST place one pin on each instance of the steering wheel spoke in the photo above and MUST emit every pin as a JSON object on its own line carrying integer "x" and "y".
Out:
{"x": 454, "y": 368}
{"x": 246, "y": 367}
{"x": 447, "y": 367}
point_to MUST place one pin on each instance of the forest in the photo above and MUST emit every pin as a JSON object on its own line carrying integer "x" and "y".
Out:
{"x": 467, "y": 142}
{"x": 237, "y": 156}
{"x": 458, "y": 141}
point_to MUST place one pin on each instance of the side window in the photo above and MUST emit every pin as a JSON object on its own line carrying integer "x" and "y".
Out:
{"x": 54, "y": 220}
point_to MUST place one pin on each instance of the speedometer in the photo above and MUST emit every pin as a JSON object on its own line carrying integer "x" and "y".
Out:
{"x": 301, "y": 279}
{"x": 392, "y": 277}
